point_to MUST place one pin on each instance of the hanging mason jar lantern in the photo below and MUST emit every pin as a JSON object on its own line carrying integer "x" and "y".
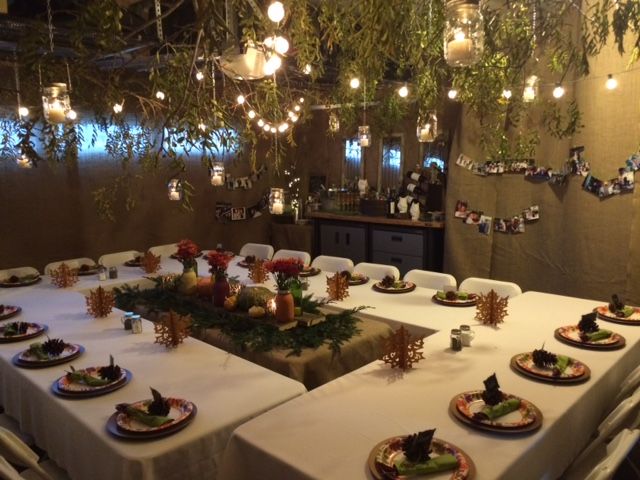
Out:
{"x": 175, "y": 189}
{"x": 364, "y": 136}
{"x": 56, "y": 103}
{"x": 23, "y": 161}
{"x": 427, "y": 128}
{"x": 463, "y": 33}
{"x": 276, "y": 201}
{"x": 217, "y": 174}
{"x": 530, "y": 91}
{"x": 334, "y": 123}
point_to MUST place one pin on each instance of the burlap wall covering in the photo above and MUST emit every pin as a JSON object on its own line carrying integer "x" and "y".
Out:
{"x": 582, "y": 246}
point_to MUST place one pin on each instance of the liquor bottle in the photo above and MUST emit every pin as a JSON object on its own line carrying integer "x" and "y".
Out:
{"x": 391, "y": 204}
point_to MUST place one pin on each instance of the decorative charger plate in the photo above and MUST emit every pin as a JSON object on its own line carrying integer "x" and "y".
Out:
{"x": 384, "y": 455}
{"x": 571, "y": 336}
{"x": 20, "y": 283}
{"x": 405, "y": 288}
{"x": 310, "y": 272}
{"x": 89, "y": 270}
{"x": 34, "y": 330}
{"x": 70, "y": 352}
{"x": 526, "y": 419}
{"x": 358, "y": 279}
{"x": 471, "y": 300}
{"x": 605, "y": 314}
{"x": 121, "y": 425}
{"x": 576, "y": 371}
{"x": 134, "y": 262}
{"x": 9, "y": 311}
{"x": 67, "y": 389}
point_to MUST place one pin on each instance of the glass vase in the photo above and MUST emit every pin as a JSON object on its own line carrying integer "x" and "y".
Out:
{"x": 188, "y": 282}
{"x": 221, "y": 291}
{"x": 285, "y": 308}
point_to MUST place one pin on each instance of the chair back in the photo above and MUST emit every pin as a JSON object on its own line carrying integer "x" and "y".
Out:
{"x": 627, "y": 409}
{"x": 427, "y": 279}
{"x": 71, "y": 263}
{"x": 377, "y": 271}
{"x": 628, "y": 385}
{"x": 18, "y": 272}
{"x": 19, "y": 453}
{"x": 258, "y": 250}
{"x": 7, "y": 472}
{"x": 329, "y": 264}
{"x": 118, "y": 258}
{"x": 304, "y": 256}
{"x": 617, "y": 451}
{"x": 484, "y": 285}
{"x": 165, "y": 251}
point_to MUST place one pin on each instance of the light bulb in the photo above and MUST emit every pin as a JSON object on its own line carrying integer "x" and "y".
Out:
{"x": 354, "y": 82}
{"x": 452, "y": 93}
{"x": 23, "y": 111}
{"x": 160, "y": 95}
{"x": 202, "y": 126}
{"x": 558, "y": 92}
{"x": 266, "y": 127}
{"x": 72, "y": 115}
{"x": 403, "y": 91}
{"x": 240, "y": 99}
{"x": 307, "y": 69}
{"x": 251, "y": 114}
{"x": 273, "y": 64}
{"x": 297, "y": 108}
{"x": 611, "y": 83}
{"x": 529, "y": 94}
{"x": 260, "y": 122}
{"x": 275, "y": 12}
{"x": 281, "y": 45}
{"x": 283, "y": 127}
{"x": 117, "y": 107}
{"x": 459, "y": 35}
{"x": 273, "y": 129}
{"x": 294, "y": 118}
{"x": 290, "y": 114}
{"x": 301, "y": 99}
{"x": 506, "y": 93}
{"x": 199, "y": 76}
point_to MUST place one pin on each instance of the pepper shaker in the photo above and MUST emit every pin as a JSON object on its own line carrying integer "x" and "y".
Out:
{"x": 456, "y": 340}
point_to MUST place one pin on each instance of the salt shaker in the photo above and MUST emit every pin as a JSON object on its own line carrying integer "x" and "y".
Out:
{"x": 102, "y": 273}
{"x": 456, "y": 340}
{"x": 136, "y": 324}
{"x": 466, "y": 335}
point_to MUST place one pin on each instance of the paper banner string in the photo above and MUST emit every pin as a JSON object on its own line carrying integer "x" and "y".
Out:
{"x": 225, "y": 212}
{"x": 246, "y": 183}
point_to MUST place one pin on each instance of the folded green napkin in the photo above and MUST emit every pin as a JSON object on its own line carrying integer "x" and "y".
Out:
{"x": 441, "y": 295}
{"x": 36, "y": 350}
{"x": 502, "y": 408}
{"x": 82, "y": 377}
{"x": 437, "y": 464}
{"x": 144, "y": 417}
{"x": 463, "y": 296}
{"x": 599, "y": 335}
{"x": 562, "y": 363}
{"x": 627, "y": 311}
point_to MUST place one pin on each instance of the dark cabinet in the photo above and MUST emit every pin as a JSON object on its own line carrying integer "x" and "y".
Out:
{"x": 401, "y": 248}
{"x": 340, "y": 240}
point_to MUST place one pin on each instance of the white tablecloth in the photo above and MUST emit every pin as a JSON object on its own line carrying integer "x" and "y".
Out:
{"x": 226, "y": 389}
{"x": 329, "y": 432}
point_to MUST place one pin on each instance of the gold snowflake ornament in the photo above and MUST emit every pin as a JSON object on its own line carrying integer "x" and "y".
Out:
{"x": 491, "y": 308}
{"x": 100, "y": 302}
{"x": 402, "y": 349}
{"x": 258, "y": 271}
{"x": 150, "y": 263}
{"x": 337, "y": 287}
{"x": 172, "y": 329}
{"x": 64, "y": 276}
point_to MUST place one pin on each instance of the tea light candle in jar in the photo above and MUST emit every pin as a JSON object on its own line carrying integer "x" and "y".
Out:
{"x": 174, "y": 195}
{"x": 216, "y": 180}
{"x": 364, "y": 141}
{"x": 271, "y": 307}
{"x": 277, "y": 208}
{"x": 425, "y": 134}
{"x": 460, "y": 51}
{"x": 55, "y": 113}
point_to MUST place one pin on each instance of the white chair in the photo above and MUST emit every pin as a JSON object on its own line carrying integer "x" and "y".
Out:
{"x": 165, "y": 251}
{"x": 628, "y": 386}
{"x": 72, "y": 263}
{"x": 7, "y": 472}
{"x": 18, "y": 453}
{"x": 304, "y": 256}
{"x": 332, "y": 264}
{"x": 13, "y": 426}
{"x": 484, "y": 285}
{"x": 18, "y": 272}
{"x": 427, "y": 279}
{"x": 258, "y": 250}
{"x": 50, "y": 468}
{"x": 377, "y": 271}
{"x": 117, "y": 259}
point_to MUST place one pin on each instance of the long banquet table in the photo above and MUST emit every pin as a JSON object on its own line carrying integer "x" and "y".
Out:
{"x": 330, "y": 432}
{"x": 226, "y": 389}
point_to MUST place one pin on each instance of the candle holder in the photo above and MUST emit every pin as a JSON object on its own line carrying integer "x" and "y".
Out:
{"x": 276, "y": 201}
{"x": 175, "y": 189}
{"x": 427, "y": 127}
{"x": 530, "y": 91}
{"x": 217, "y": 174}
{"x": 463, "y": 33}
{"x": 56, "y": 104}
{"x": 23, "y": 161}
{"x": 334, "y": 123}
{"x": 364, "y": 136}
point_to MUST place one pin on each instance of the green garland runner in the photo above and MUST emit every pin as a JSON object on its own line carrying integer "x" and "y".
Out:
{"x": 245, "y": 333}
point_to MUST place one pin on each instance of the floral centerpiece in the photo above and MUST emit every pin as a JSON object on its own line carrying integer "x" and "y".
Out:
{"x": 286, "y": 272}
{"x": 219, "y": 261}
{"x": 186, "y": 255}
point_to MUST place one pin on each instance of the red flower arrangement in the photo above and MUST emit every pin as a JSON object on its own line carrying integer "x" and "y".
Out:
{"x": 186, "y": 254}
{"x": 285, "y": 270}
{"x": 219, "y": 261}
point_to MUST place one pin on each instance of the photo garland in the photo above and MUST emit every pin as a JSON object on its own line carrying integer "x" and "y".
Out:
{"x": 246, "y": 183}
{"x": 514, "y": 224}
{"x": 225, "y": 212}
{"x": 575, "y": 165}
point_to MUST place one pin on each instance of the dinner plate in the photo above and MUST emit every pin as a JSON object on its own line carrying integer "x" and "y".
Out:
{"x": 133, "y": 263}
{"x": 90, "y": 271}
{"x": 70, "y": 352}
{"x": 472, "y": 300}
{"x": 120, "y": 425}
{"x": 6, "y": 284}
{"x": 605, "y": 314}
{"x": 310, "y": 272}
{"x": 571, "y": 336}
{"x": 384, "y": 455}
{"x": 408, "y": 287}
{"x": 64, "y": 388}
{"x": 34, "y": 330}
{"x": 244, "y": 264}
{"x": 576, "y": 371}
{"x": 9, "y": 311}
{"x": 356, "y": 280}
{"x": 526, "y": 419}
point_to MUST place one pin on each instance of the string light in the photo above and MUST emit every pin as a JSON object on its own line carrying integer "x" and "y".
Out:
{"x": 202, "y": 127}
{"x": 611, "y": 83}
{"x": 294, "y": 118}
{"x": 160, "y": 95}
{"x": 199, "y": 76}
{"x": 281, "y": 45}
{"x": 273, "y": 129}
{"x": 273, "y": 64}
{"x": 403, "y": 91}
{"x": 275, "y": 12}
{"x": 301, "y": 99}
{"x": 23, "y": 111}
{"x": 251, "y": 114}
{"x": 71, "y": 115}
{"x": 354, "y": 82}
{"x": 297, "y": 108}
{"x": 506, "y": 93}
{"x": 307, "y": 69}
{"x": 452, "y": 93}
{"x": 283, "y": 127}
{"x": 240, "y": 99}
{"x": 530, "y": 90}
{"x": 558, "y": 92}
{"x": 266, "y": 127}
{"x": 260, "y": 122}
{"x": 117, "y": 107}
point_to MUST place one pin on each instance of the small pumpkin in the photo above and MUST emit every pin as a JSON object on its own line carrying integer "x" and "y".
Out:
{"x": 231, "y": 303}
{"x": 257, "y": 312}
{"x": 204, "y": 287}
